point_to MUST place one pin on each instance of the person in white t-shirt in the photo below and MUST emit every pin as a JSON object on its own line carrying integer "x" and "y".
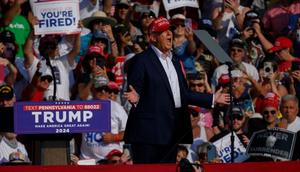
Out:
{"x": 8, "y": 145}
{"x": 8, "y": 142}
{"x": 98, "y": 145}
{"x": 289, "y": 109}
{"x": 228, "y": 17}
{"x": 237, "y": 53}
{"x": 62, "y": 65}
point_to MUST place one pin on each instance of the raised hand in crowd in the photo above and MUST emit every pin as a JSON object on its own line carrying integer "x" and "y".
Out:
{"x": 126, "y": 158}
{"x": 256, "y": 27}
{"x": 296, "y": 74}
{"x": 232, "y": 4}
{"x": 33, "y": 20}
{"x": 207, "y": 85}
{"x": 97, "y": 70}
{"x": 190, "y": 37}
{"x": 245, "y": 140}
{"x": 189, "y": 34}
{"x": 12, "y": 76}
{"x": 108, "y": 30}
{"x": 4, "y": 61}
{"x": 125, "y": 41}
{"x": 2, "y": 48}
{"x": 217, "y": 18}
{"x": 74, "y": 159}
{"x": 10, "y": 13}
{"x": 248, "y": 32}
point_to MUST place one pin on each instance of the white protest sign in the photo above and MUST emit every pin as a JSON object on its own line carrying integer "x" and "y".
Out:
{"x": 172, "y": 4}
{"x": 223, "y": 146}
{"x": 57, "y": 17}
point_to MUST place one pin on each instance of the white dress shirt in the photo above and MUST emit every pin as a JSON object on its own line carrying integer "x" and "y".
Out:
{"x": 166, "y": 61}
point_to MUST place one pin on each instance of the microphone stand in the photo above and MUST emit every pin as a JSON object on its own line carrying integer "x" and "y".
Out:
{"x": 229, "y": 111}
{"x": 53, "y": 76}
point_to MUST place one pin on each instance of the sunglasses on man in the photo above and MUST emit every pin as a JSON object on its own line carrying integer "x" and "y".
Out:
{"x": 267, "y": 112}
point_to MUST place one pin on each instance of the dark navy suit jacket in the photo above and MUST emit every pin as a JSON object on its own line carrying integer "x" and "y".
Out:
{"x": 153, "y": 120}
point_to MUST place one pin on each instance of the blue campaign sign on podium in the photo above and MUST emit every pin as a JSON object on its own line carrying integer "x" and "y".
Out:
{"x": 62, "y": 117}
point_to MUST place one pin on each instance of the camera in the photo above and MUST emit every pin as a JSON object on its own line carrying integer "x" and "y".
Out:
{"x": 295, "y": 65}
{"x": 188, "y": 23}
{"x": 141, "y": 8}
{"x": 248, "y": 23}
{"x": 127, "y": 150}
{"x": 186, "y": 166}
{"x": 268, "y": 68}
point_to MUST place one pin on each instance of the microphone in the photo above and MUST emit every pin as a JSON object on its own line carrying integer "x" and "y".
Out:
{"x": 230, "y": 65}
{"x": 186, "y": 166}
{"x": 47, "y": 61}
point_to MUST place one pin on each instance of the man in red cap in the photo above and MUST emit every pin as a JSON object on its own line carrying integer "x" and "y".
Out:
{"x": 159, "y": 118}
{"x": 281, "y": 48}
{"x": 270, "y": 110}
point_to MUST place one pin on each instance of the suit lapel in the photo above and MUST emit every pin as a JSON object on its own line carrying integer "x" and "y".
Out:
{"x": 158, "y": 67}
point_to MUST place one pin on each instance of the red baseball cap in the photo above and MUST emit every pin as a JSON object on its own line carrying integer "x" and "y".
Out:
{"x": 158, "y": 25}
{"x": 271, "y": 100}
{"x": 281, "y": 42}
{"x": 113, "y": 85}
{"x": 114, "y": 152}
{"x": 224, "y": 79}
{"x": 95, "y": 49}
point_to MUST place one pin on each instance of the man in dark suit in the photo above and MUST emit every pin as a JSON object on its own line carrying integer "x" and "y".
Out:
{"x": 159, "y": 118}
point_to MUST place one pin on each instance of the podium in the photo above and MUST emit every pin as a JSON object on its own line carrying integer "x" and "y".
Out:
{"x": 51, "y": 150}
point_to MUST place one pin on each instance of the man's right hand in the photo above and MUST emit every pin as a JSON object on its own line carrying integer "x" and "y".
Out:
{"x": 222, "y": 98}
{"x": 132, "y": 96}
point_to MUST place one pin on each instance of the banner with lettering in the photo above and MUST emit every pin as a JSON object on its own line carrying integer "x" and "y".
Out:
{"x": 62, "y": 117}
{"x": 56, "y": 17}
{"x": 276, "y": 143}
{"x": 172, "y": 4}
{"x": 224, "y": 149}
{"x": 117, "y": 69}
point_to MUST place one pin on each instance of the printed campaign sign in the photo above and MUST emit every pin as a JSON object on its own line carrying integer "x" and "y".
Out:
{"x": 223, "y": 146}
{"x": 172, "y": 4}
{"x": 276, "y": 143}
{"x": 117, "y": 69}
{"x": 62, "y": 117}
{"x": 57, "y": 17}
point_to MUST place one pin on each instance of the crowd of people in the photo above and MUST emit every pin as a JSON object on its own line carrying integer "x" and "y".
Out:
{"x": 169, "y": 94}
